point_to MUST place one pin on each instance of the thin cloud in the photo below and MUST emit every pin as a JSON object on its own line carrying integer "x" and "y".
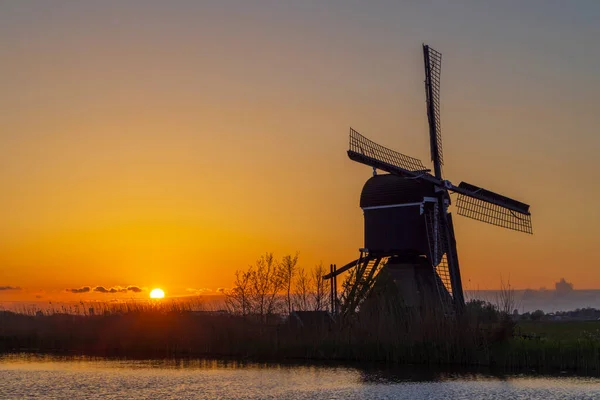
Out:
{"x": 10, "y": 288}
{"x": 103, "y": 289}
{"x": 199, "y": 291}
{"x": 84, "y": 289}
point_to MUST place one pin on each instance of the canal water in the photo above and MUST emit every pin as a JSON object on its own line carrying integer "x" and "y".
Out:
{"x": 48, "y": 377}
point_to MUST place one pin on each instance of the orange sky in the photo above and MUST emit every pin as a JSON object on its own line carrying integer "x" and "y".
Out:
{"x": 171, "y": 144}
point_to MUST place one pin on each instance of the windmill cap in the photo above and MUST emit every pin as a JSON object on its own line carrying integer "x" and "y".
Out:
{"x": 388, "y": 189}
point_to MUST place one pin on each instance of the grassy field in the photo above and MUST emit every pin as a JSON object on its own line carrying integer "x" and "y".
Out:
{"x": 551, "y": 346}
{"x": 559, "y": 330}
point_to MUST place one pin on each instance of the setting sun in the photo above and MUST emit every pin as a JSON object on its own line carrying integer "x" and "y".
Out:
{"x": 157, "y": 294}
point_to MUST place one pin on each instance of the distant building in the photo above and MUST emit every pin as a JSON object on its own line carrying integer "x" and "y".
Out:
{"x": 563, "y": 286}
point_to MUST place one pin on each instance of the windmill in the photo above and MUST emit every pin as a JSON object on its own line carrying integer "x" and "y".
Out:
{"x": 408, "y": 229}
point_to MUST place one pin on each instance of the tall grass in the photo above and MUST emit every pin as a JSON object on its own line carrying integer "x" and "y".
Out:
{"x": 383, "y": 331}
{"x": 156, "y": 333}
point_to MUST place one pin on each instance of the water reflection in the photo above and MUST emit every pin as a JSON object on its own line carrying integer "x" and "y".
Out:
{"x": 85, "y": 377}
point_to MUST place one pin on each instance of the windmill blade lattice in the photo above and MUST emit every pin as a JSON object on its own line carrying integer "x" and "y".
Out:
{"x": 438, "y": 249}
{"x": 433, "y": 71}
{"x": 492, "y": 208}
{"x": 362, "y": 146}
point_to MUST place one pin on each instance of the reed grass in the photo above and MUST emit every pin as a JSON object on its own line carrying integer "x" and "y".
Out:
{"x": 386, "y": 333}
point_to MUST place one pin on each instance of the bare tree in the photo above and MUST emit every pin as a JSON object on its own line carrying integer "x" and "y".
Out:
{"x": 505, "y": 299}
{"x": 303, "y": 289}
{"x": 266, "y": 283}
{"x": 256, "y": 290}
{"x": 237, "y": 299}
{"x": 320, "y": 298}
{"x": 288, "y": 268}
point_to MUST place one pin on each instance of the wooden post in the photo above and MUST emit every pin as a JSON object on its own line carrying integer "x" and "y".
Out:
{"x": 331, "y": 289}
{"x": 335, "y": 298}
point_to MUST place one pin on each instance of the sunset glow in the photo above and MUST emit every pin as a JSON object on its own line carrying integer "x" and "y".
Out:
{"x": 187, "y": 135}
{"x": 157, "y": 294}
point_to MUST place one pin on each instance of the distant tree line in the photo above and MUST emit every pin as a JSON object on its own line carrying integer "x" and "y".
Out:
{"x": 578, "y": 314}
{"x": 271, "y": 286}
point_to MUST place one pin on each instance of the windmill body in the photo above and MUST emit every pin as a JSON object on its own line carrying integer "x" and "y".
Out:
{"x": 395, "y": 230}
{"x": 393, "y": 214}
{"x": 409, "y": 231}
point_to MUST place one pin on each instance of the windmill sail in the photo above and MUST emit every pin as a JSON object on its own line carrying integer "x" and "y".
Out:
{"x": 437, "y": 247}
{"x": 433, "y": 70}
{"x": 368, "y": 152}
{"x": 493, "y": 208}
{"x": 442, "y": 254}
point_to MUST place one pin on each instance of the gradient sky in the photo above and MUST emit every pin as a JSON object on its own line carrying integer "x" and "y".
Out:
{"x": 170, "y": 143}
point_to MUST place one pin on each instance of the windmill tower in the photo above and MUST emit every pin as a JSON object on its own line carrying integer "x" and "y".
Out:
{"x": 409, "y": 232}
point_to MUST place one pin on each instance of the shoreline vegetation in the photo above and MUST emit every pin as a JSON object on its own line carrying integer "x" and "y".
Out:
{"x": 544, "y": 346}
{"x": 277, "y": 311}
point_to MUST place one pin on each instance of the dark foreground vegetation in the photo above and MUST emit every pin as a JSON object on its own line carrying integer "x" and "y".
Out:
{"x": 482, "y": 336}
{"x": 259, "y": 322}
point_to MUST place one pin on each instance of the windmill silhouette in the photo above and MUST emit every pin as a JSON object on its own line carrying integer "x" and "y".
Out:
{"x": 409, "y": 231}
